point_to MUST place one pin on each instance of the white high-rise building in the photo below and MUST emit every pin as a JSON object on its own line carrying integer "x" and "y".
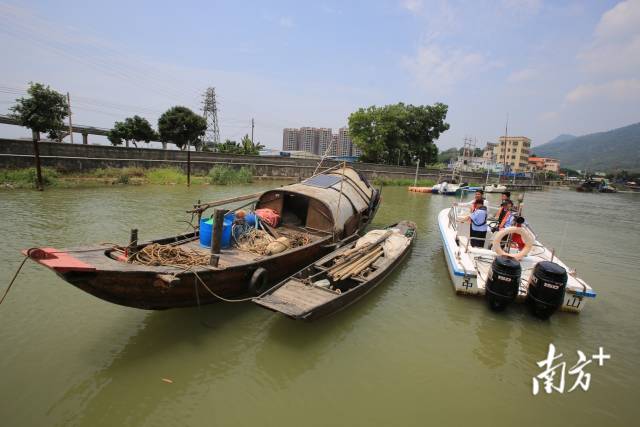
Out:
{"x": 290, "y": 138}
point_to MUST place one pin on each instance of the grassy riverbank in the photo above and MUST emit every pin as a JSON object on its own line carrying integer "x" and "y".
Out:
{"x": 26, "y": 178}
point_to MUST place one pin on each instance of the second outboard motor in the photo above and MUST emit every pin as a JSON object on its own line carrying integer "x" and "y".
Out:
{"x": 503, "y": 282}
{"x": 547, "y": 284}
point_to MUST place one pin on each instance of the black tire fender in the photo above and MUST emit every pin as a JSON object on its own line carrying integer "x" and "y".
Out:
{"x": 259, "y": 281}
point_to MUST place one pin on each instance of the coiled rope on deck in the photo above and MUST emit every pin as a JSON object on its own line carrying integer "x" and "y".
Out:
{"x": 156, "y": 255}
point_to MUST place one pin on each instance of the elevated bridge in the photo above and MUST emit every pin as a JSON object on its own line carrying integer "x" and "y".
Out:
{"x": 85, "y": 131}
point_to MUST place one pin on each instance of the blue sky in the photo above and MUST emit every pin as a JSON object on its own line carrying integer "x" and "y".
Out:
{"x": 554, "y": 67}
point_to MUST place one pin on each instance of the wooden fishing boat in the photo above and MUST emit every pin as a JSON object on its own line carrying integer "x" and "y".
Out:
{"x": 334, "y": 282}
{"x": 328, "y": 209}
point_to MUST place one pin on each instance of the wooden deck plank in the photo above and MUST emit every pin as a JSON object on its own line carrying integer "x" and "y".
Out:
{"x": 295, "y": 298}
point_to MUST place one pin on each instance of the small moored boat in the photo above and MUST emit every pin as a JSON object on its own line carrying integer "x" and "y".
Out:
{"x": 495, "y": 188}
{"x": 343, "y": 276}
{"x": 319, "y": 213}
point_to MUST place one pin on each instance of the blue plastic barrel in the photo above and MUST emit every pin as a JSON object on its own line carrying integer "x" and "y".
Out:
{"x": 206, "y": 230}
{"x": 250, "y": 218}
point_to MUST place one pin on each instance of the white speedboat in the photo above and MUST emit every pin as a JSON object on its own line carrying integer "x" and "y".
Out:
{"x": 502, "y": 273}
{"x": 448, "y": 189}
{"x": 445, "y": 188}
{"x": 495, "y": 188}
{"x": 436, "y": 188}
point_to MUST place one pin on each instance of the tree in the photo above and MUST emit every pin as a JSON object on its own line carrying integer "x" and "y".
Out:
{"x": 44, "y": 110}
{"x": 446, "y": 155}
{"x": 181, "y": 126}
{"x": 398, "y": 133}
{"x": 227, "y": 147}
{"x": 248, "y": 147}
{"x": 133, "y": 129}
{"x": 184, "y": 128}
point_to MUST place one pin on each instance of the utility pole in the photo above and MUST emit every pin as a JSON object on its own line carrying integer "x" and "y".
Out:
{"x": 252, "y": 126}
{"x": 189, "y": 164}
{"x": 69, "y": 112}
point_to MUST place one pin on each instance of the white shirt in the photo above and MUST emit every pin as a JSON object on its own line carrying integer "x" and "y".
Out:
{"x": 470, "y": 204}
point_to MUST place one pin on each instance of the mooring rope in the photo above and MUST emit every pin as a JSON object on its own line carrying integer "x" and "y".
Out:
{"x": 26, "y": 257}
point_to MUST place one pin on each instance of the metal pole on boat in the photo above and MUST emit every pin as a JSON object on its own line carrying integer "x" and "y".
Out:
{"x": 415, "y": 181}
{"x": 344, "y": 166}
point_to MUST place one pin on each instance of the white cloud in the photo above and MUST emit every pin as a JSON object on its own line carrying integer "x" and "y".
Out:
{"x": 413, "y": 6}
{"x": 620, "y": 21}
{"x": 615, "y": 50}
{"x": 616, "y": 90}
{"x": 437, "y": 69}
{"x": 522, "y": 75}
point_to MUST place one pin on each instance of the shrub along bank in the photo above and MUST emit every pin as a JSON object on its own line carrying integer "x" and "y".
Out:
{"x": 26, "y": 178}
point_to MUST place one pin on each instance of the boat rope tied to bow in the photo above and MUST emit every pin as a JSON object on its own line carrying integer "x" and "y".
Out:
{"x": 38, "y": 253}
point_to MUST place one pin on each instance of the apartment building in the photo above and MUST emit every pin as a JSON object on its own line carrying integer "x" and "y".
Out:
{"x": 308, "y": 140}
{"x": 344, "y": 142}
{"x": 488, "y": 154}
{"x": 513, "y": 151}
{"x": 290, "y": 138}
{"x": 325, "y": 137}
{"x": 317, "y": 140}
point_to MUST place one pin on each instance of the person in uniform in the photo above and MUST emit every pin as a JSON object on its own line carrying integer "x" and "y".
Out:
{"x": 478, "y": 223}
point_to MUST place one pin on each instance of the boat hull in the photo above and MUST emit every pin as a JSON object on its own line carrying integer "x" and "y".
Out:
{"x": 144, "y": 289}
{"x": 465, "y": 279}
{"x": 340, "y": 302}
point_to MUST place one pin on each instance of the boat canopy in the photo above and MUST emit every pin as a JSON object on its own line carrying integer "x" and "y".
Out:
{"x": 331, "y": 202}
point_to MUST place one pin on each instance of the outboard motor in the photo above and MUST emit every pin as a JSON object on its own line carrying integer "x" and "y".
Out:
{"x": 503, "y": 282}
{"x": 547, "y": 284}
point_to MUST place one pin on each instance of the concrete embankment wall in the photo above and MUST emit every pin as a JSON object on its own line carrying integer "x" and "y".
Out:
{"x": 77, "y": 158}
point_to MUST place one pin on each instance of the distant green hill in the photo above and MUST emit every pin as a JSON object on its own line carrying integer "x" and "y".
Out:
{"x": 603, "y": 151}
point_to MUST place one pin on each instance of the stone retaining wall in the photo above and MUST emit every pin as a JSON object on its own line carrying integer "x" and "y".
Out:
{"x": 77, "y": 158}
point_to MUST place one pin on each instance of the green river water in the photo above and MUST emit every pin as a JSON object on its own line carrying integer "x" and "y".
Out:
{"x": 410, "y": 353}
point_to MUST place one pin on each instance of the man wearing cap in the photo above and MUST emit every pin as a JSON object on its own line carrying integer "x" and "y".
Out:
{"x": 479, "y": 195}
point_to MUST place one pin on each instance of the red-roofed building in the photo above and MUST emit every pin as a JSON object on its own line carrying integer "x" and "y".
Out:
{"x": 541, "y": 164}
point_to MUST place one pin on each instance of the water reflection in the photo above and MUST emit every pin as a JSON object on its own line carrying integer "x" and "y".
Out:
{"x": 172, "y": 344}
{"x": 290, "y": 348}
{"x": 494, "y": 334}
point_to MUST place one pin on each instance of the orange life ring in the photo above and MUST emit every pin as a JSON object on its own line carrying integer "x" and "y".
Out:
{"x": 527, "y": 237}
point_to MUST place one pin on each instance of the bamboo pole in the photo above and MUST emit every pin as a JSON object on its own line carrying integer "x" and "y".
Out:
{"x": 204, "y": 206}
{"x": 359, "y": 265}
{"x": 344, "y": 267}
